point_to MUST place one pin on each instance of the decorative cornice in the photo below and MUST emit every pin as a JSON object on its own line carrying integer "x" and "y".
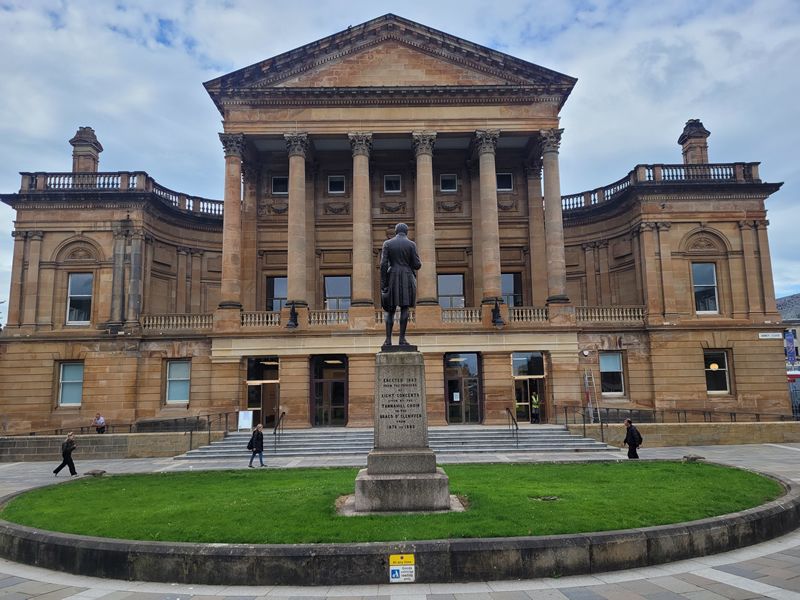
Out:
{"x": 360, "y": 143}
{"x": 551, "y": 139}
{"x": 296, "y": 144}
{"x": 423, "y": 142}
{"x": 486, "y": 140}
{"x": 232, "y": 144}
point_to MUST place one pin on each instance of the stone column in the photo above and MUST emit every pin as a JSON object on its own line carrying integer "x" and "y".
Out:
{"x": 135, "y": 278}
{"x": 195, "y": 291}
{"x": 118, "y": 276}
{"x": 604, "y": 298}
{"x": 665, "y": 256}
{"x": 181, "y": 280}
{"x": 476, "y": 254}
{"x": 250, "y": 173}
{"x": 424, "y": 217}
{"x": 554, "y": 227}
{"x": 361, "y": 144}
{"x": 230, "y": 291}
{"x": 30, "y": 291}
{"x": 766, "y": 268}
{"x": 490, "y": 225}
{"x": 536, "y": 234}
{"x": 15, "y": 293}
{"x": 591, "y": 273}
{"x": 297, "y": 146}
{"x": 650, "y": 283}
{"x": 747, "y": 231}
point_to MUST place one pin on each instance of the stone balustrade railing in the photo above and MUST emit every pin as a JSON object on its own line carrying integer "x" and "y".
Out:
{"x": 120, "y": 181}
{"x": 527, "y": 314}
{"x": 172, "y": 322}
{"x": 261, "y": 319}
{"x": 412, "y": 317}
{"x": 461, "y": 315}
{"x": 328, "y": 317}
{"x": 610, "y": 314}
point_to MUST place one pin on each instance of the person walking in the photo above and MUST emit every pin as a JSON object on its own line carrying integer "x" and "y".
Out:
{"x": 67, "y": 446}
{"x": 256, "y": 445}
{"x": 633, "y": 439}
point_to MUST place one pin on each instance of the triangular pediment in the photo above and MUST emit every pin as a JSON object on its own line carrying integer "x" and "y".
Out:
{"x": 388, "y": 53}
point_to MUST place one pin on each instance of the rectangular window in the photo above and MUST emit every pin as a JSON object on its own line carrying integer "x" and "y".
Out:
{"x": 70, "y": 384}
{"x": 336, "y": 184}
{"x": 448, "y": 182}
{"x": 79, "y": 303}
{"x": 505, "y": 182}
{"x": 451, "y": 291}
{"x": 611, "y": 379}
{"x": 392, "y": 184}
{"x": 337, "y": 292}
{"x": 704, "y": 280}
{"x": 527, "y": 364}
{"x": 178, "y": 376}
{"x": 276, "y": 293}
{"x": 280, "y": 185}
{"x": 716, "y": 367}
{"x": 511, "y": 286}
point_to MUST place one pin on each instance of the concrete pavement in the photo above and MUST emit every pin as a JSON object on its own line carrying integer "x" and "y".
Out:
{"x": 769, "y": 570}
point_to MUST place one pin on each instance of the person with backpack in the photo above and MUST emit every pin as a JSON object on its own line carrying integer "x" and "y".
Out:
{"x": 256, "y": 445}
{"x": 67, "y": 446}
{"x": 633, "y": 439}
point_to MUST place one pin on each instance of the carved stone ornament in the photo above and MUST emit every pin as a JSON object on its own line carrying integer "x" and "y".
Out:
{"x": 279, "y": 209}
{"x": 533, "y": 170}
{"x": 19, "y": 236}
{"x": 747, "y": 224}
{"x": 508, "y": 205}
{"x": 664, "y": 225}
{"x": 36, "y": 236}
{"x": 423, "y": 142}
{"x": 551, "y": 139}
{"x": 80, "y": 254}
{"x": 393, "y": 207}
{"x": 336, "y": 208}
{"x": 486, "y": 140}
{"x": 702, "y": 243}
{"x": 232, "y": 144}
{"x": 449, "y": 206}
{"x": 647, "y": 226}
{"x": 250, "y": 171}
{"x": 296, "y": 144}
{"x": 360, "y": 143}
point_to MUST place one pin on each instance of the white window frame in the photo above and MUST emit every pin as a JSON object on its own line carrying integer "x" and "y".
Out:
{"x": 696, "y": 285}
{"x": 448, "y": 190}
{"x": 272, "y": 185}
{"x": 399, "y": 178}
{"x": 344, "y": 185}
{"x": 62, "y": 381}
{"x": 724, "y": 368}
{"x": 621, "y": 373}
{"x": 70, "y": 295}
{"x": 170, "y": 379}
{"x": 508, "y": 189}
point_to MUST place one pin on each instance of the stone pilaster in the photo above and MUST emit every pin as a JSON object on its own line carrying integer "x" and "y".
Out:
{"x": 476, "y": 253}
{"x": 554, "y": 226}
{"x": 230, "y": 291}
{"x": 361, "y": 144}
{"x": 181, "y": 280}
{"x": 196, "y": 292}
{"x": 135, "y": 278}
{"x": 665, "y": 260}
{"x": 486, "y": 142}
{"x": 536, "y": 234}
{"x": 297, "y": 147}
{"x": 748, "y": 233}
{"x": 591, "y": 273}
{"x": 250, "y": 173}
{"x": 767, "y": 284}
{"x": 424, "y": 217}
{"x": 650, "y": 282}
{"x": 118, "y": 276}
{"x": 15, "y": 293}
{"x": 30, "y": 292}
{"x": 604, "y": 297}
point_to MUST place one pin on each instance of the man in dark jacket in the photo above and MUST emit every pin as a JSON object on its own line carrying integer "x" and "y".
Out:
{"x": 399, "y": 264}
{"x": 256, "y": 445}
{"x": 633, "y": 439}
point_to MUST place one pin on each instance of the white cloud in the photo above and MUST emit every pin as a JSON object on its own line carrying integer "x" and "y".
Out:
{"x": 134, "y": 71}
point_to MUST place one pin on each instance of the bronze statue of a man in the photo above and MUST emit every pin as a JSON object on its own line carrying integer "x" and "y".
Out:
{"x": 399, "y": 264}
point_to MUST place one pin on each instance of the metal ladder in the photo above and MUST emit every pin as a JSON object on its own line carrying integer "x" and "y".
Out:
{"x": 590, "y": 392}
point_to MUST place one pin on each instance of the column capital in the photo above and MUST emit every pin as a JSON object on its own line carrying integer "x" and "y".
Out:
{"x": 250, "y": 170}
{"x": 551, "y": 139}
{"x": 602, "y": 244}
{"x": 533, "y": 169}
{"x": 36, "y": 236}
{"x": 296, "y": 144}
{"x": 487, "y": 140}
{"x": 663, "y": 225}
{"x": 647, "y": 226}
{"x": 232, "y": 144}
{"x": 761, "y": 223}
{"x": 423, "y": 142}
{"x": 19, "y": 236}
{"x": 360, "y": 143}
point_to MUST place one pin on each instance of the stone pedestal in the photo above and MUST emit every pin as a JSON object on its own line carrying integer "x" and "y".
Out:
{"x": 401, "y": 473}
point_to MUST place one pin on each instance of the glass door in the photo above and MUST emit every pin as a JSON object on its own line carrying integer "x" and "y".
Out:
{"x": 529, "y": 397}
{"x": 263, "y": 389}
{"x": 329, "y": 391}
{"x": 463, "y": 387}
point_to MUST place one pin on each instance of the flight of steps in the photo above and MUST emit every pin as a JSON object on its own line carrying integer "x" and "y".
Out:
{"x": 443, "y": 440}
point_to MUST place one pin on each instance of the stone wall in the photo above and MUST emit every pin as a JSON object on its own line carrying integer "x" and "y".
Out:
{"x": 658, "y": 435}
{"x": 95, "y": 446}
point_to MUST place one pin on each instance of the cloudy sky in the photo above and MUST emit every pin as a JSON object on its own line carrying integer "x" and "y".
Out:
{"x": 133, "y": 70}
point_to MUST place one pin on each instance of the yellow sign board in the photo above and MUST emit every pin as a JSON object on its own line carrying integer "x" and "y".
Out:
{"x": 400, "y": 559}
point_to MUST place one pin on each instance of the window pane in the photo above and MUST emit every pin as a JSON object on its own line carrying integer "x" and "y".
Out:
{"x": 178, "y": 369}
{"x": 71, "y": 393}
{"x": 527, "y": 363}
{"x": 465, "y": 364}
{"x": 336, "y": 184}
{"x": 280, "y": 185}
{"x": 72, "y": 372}
{"x": 276, "y": 293}
{"x": 391, "y": 183}
{"x": 71, "y": 383}
{"x": 448, "y": 183}
{"x": 337, "y": 286}
{"x": 80, "y": 284}
{"x": 611, "y": 361}
{"x": 451, "y": 285}
{"x": 511, "y": 288}
{"x": 79, "y": 309}
{"x": 715, "y": 358}
{"x": 705, "y": 299}
{"x": 178, "y": 391}
{"x": 505, "y": 181}
{"x": 704, "y": 274}
{"x": 717, "y": 381}
{"x": 611, "y": 383}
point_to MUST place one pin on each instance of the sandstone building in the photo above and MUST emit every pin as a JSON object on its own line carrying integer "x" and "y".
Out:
{"x": 653, "y": 292}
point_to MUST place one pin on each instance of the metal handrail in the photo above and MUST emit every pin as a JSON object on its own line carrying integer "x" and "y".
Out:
{"x": 574, "y": 414}
{"x": 513, "y": 426}
{"x": 277, "y": 431}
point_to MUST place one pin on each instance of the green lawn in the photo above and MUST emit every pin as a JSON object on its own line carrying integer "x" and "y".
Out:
{"x": 297, "y": 505}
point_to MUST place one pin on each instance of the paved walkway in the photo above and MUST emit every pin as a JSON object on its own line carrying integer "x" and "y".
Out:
{"x": 768, "y": 570}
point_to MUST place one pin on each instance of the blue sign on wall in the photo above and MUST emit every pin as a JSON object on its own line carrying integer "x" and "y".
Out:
{"x": 791, "y": 349}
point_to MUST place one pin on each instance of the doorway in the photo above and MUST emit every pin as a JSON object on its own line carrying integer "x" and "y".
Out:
{"x": 329, "y": 390}
{"x": 529, "y": 387}
{"x": 263, "y": 390}
{"x": 463, "y": 388}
